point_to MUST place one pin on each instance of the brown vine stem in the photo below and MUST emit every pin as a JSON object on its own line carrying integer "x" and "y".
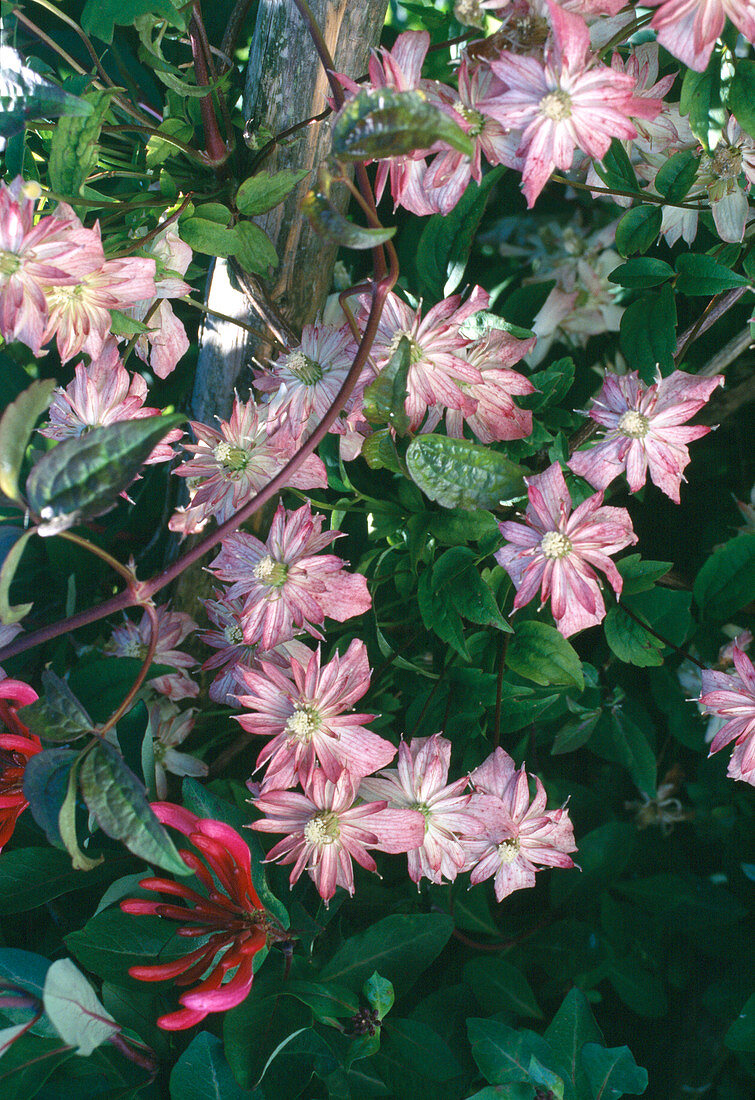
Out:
{"x": 643, "y": 196}
{"x": 660, "y": 637}
{"x": 715, "y": 309}
{"x": 117, "y": 714}
{"x": 217, "y": 150}
{"x": 141, "y": 241}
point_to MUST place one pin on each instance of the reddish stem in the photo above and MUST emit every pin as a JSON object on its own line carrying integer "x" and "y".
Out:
{"x": 217, "y": 152}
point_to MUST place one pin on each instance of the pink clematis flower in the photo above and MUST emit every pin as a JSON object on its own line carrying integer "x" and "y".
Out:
{"x": 733, "y": 698}
{"x": 644, "y": 430}
{"x": 439, "y": 374}
{"x": 166, "y": 342}
{"x": 689, "y": 28}
{"x": 570, "y": 101}
{"x": 130, "y": 640}
{"x": 325, "y": 831}
{"x": 557, "y": 549}
{"x": 304, "y": 382}
{"x": 100, "y": 394}
{"x": 79, "y": 316}
{"x": 306, "y": 713}
{"x": 17, "y": 746}
{"x": 231, "y": 465}
{"x": 286, "y": 584}
{"x": 519, "y": 836}
{"x": 496, "y": 416}
{"x": 229, "y": 912}
{"x": 421, "y": 783}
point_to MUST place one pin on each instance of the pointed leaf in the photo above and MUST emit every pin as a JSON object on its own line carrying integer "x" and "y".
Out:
{"x": 677, "y": 175}
{"x": 460, "y": 474}
{"x": 74, "y": 1009}
{"x": 45, "y": 785}
{"x": 264, "y": 190}
{"x": 74, "y": 149}
{"x": 702, "y": 275}
{"x": 379, "y": 994}
{"x": 382, "y": 122}
{"x": 26, "y": 94}
{"x": 569, "y": 1030}
{"x": 540, "y": 653}
{"x": 8, "y": 613}
{"x": 399, "y": 947}
{"x": 254, "y": 250}
{"x": 57, "y": 715}
{"x": 328, "y": 222}
{"x": 613, "y": 1072}
{"x": 384, "y": 399}
{"x": 637, "y": 229}
{"x": 202, "y": 1072}
{"x": 16, "y": 427}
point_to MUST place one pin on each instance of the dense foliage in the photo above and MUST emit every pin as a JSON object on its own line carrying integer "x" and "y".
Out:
{"x": 441, "y": 784}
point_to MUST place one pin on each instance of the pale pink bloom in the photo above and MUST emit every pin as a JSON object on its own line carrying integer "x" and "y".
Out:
{"x": 582, "y": 304}
{"x": 325, "y": 831}
{"x": 306, "y": 711}
{"x": 519, "y": 836}
{"x": 439, "y": 373}
{"x": 421, "y": 783}
{"x": 733, "y": 698}
{"x": 130, "y": 640}
{"x": 570, "y": 101}
{"x": 557, "y": 549}
{"x": 100, "y": 394}
{"x": 644, "y": 430}
{"x": 79, "y": 316}
{"x": 166, "y": 342}
{"x": 55, "y": 251}
{"x": 168, "y": 727}
{"x": 228, "y": 466}
{"x": 496, "y": 416}
{"x": 304, "y": 382}
{"x": 286, "y": 583}
{"x": 689, "y": 28}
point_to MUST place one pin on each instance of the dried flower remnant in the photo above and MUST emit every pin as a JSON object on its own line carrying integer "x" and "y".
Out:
{"x": 229, "y": 912}
{"x": 17, "y": 746}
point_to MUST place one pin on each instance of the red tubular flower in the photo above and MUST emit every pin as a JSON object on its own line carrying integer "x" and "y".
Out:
{"x": 17, "y": 746}
{"x": 233, "y": 917}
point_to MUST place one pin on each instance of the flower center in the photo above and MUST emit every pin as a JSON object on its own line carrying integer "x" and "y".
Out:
{"x": 470, "y": 13}
{"x": 303, "y": 723}
{"x": 233, "y": 634}
{"x": 272, "y": 572}
{"x": 474, "y": 117}
{"x": 231, "y": 457}
{"x": 556, "y": 105}
{"x": 158, "y": 751}
{"x": 508, "y": 850}
{"x": 727, "y": 162}
{"x": 305, "y": 369}
{"x": 322, "y": 829}
{"x": 415, "y": 351}
{"x": 634, "y": 425}
{"x": 555, "y": 545}
{"x": 134, "y": 647}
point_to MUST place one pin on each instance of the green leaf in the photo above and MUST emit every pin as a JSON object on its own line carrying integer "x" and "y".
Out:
{"x": 639, "y": 575}
{"x": 456, "y": 579}
{"x": 384, "y": 399}
{"x": 502, "y": 1054}
{"x": 637, "y": 229}
{"x": 28, "y": 1063}
{"x": 446, "y": 240}
{"x": 603, "y": 855}
{"x": 455, "y": 526}
{"x": 99, "y": 17}
{"x": 30, "y": 877}
{"x": 75, "y": 1010}
{"x": 57, "y": 715}
{"x": 612, "y": 1072}
{"x": 159, "y": 149}
{"x": 741, "y": 1034}
{"x": 726, "y": 582}
{"x": 74, "y": 149}
{"x": 552, "y": 384}
{"x": 643, "y": 272}
{"x": 102, "y": 684}
{"x": 67, "y": 826}
{"x": 413, "y": 1059}
{"x": 619, "y": 739}
{"x": 81, "y": 478}
{"x": 575, "y": 733}
{"x": 16, "y": 427}
{"x": 666, "y": 610}
{"x": 641, "y": 991}
{"x": 677, "y": 175}
{"x": 741, "y": 100}
{"x": 25, "y": 971}
{"x": 210, "y": 238}
{"x": 123, "y": 325}
{"x": 399, "y": 947}
{"x": 569, "y": 1030}
{"x": 460, "y": 474}
{"x": 117, "y": 800}
{"x": 379, "y": 452}
{"x": 25, "y": 95}
{"x": 499, "y": 986}
{"x": 690, "y": 902}
{"x": 701, "y": 100}
{"x": 379, "y": 994}
{"x": 254, "y": 1031}
{"x": 8, "y": 613}
{"x": 327, "y": 1001}
{"x": 630, "y": 641}
{"x": 701, "y": 275}
{"x": 202, "y": 1072}
{"x": 45, "y": 785}
{"x": 328, "y": 221}
{"x": 383, "y": 122}
{"x": 540, "y": 653}
{"x": 616, "y": 169}
{"x": 648, "y": 333}
{"x": 255, "y": 251}
{"x": 111, "y": 942}
{"x": 263, "y": 191}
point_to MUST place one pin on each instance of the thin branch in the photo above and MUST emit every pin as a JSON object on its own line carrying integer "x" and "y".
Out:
{"x": 660, "y": 637}
{"x": 643, "y": 196}
{"x": 149, "y": 656}
{"x": 715, "y": 309}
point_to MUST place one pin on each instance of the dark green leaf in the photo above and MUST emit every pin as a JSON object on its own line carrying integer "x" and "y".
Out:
{"x": 446, "y": 240}
{"x": 11, "y": 561}
{"x": 741, "y": 1034}
{"x": 603, "y": 855}
{"x": 383, "y": 122}
{"x": 677, "y": 175}
{"x": 701, "y": 100}
{"x": 210, "y": 238}
{"x": 552, "y": 385}
{"x": 666, "y": 610}
{"x": 702, "y": 275}
{"x": 459, "y": 474}
{"x": 637, "y": 229}
{"x": 45, "y": 785}
{"x": 540, "y": 653}
{"x": 641, "y": 991}
{"x": 616, "y": 169}
{"x": 619, "y": 739}
{"x": 28, "y": 1063}
{"x": 575, "y": 733}
{"x": 503, "y": 1054}
{"x": 639, "y": 575}
{"x": 254, "y": 251}
{"x": 686, "y": 901}
{"x": 379, "y": 994}
{"x": 500, "y": 986}
{"x": 293, "y": 1063}
{"x": 111, "y": 942}
{"x": 30, "y": 877}
{"x": 726, "y": 583}
{"x": 16, "y": 427}
{"x": 569, "y": 1030}
{"x": 25, "y": 971}
{"x": 119, "y": 803}
{"x": 455, "y": 526}
{"x": 413, "y": 1060}
{"x": 399, "y": 947}
{"x": 642, "y": 272}
{"x": 254, "y": 1031}
{"x": 456, "y": 579}
{"x": 57, "y": 715}
{"x": 103, "y": 683}
{"x": 630, "y": 641}
{"x": 328, "y": 222}
{"x": 613, "y": 1072}
{"x": 263, "y": 191}
{"x": 741, "y": 101}
{"x": 202, "y": 1072}
{"x": 648, "y": 333}
{"x": 100, "y": 16}
{"x": 74, "y": 149}
{"x": 384, "y": 399}
{"x": 81, "y": 478}
{"x": 327, "y": 1001}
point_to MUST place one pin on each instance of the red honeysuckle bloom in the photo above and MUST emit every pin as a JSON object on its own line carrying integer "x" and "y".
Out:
{"x": 555, "y": 550}
{"x": 17, "y": 746}
{"x": 229, "y": 912}
{"x": 644, "y": 430}
{"x": 733, "y": 697}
